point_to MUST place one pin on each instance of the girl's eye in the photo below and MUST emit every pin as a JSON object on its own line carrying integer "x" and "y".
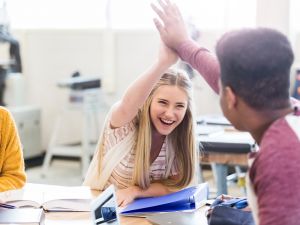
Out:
{"x": 180, "y": 106}
{"x": 162, "y": 102}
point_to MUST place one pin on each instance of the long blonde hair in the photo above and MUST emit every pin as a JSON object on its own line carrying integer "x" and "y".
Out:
{"x": 182, "y": 138}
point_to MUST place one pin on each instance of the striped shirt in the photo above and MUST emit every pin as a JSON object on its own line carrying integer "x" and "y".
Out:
{"x": 121, "y": 176}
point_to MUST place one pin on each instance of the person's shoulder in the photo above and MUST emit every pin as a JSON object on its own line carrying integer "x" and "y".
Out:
{"x": 279, "y": 143}
{"x": 3, "y": 110}
{"x": 277, "y": 131}
{"x": 4, "y": 113}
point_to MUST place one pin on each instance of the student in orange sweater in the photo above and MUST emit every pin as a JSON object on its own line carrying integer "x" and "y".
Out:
{"x": 12, "y": 173}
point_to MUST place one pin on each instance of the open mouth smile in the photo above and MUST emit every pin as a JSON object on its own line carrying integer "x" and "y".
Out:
{"x": 166, "y": 122}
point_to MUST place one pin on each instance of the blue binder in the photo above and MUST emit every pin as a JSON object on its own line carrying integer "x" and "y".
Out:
{"x": 187, "y": 199}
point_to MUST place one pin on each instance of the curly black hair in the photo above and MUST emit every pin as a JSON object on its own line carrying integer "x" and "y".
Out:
{"x": 256, "y": 64}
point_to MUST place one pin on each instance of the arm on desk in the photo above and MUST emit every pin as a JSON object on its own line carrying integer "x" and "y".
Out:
{"x": 126, "y": 196}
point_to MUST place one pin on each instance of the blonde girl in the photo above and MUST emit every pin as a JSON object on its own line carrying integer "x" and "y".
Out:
{"x": 147, "y": 147}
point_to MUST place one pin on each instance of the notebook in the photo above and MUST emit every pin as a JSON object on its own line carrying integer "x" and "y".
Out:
{"x": 104, "y": 208}
{"x": 22, "y": 216}
{"x": 49, "y": 197}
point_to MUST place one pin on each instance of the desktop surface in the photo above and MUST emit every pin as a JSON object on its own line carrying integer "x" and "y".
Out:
{"x": 179, "y": 218}
{"x": 84, "y": 218}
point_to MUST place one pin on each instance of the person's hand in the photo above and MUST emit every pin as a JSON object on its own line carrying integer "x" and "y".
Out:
{"x": 172, "y": 28}
{"x": 167, "y": 56}
{"x": 127, "y": 195}
{"x": 225, "y": 198}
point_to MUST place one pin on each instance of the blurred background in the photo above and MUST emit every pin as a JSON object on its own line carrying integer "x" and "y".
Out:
{"x": 49, "y": 47}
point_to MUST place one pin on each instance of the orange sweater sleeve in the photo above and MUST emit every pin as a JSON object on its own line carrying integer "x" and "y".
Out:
{"x": 12, "y": 171}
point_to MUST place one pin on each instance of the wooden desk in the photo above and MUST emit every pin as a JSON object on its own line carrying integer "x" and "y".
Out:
{"x": 84, "y": 218}
{"x": 219, "y": 163}
{"x": 225, "y": 158}
{"x": 228, "y": 147}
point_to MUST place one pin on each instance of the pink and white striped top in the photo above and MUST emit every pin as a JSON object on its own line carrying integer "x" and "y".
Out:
{"x": 122, "y": 174}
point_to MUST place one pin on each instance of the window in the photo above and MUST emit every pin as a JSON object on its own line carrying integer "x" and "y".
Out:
{"x": 213, "y": 14}
{"x": 126, "y": 14}
{"x": 56, "y": 13}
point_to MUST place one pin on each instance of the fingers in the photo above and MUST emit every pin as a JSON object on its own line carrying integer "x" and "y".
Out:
{"x": 119, "y": 198}
{"x": 167, "y": 6}
{"x": 162, "y": 4}
{"x": 120, "y": 202}
{"x": 158, "y": 12}
{"x": 176, "y": 10}
{"x": 159, "y": 27}
{"x": 123, "y": 203}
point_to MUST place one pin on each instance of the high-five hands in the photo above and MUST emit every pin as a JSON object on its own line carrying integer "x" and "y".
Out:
{"x": 172, "y": 28}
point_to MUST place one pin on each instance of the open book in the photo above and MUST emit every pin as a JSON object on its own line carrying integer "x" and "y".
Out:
{"x": 188, "y": 199}
{"x": 49, "y": 197}
{"x": 22, "y": 216}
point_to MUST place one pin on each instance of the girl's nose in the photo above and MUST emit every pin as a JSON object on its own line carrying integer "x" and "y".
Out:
{"x": 169, "y": 112}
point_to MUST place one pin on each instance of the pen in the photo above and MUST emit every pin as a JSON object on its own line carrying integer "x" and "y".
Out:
{"x": 3, "y": 205}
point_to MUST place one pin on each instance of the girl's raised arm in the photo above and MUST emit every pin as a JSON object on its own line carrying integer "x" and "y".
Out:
{"x": 137, "y": 93}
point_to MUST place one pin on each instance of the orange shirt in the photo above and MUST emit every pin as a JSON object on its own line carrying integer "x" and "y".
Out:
{"x": 12, "y": 172}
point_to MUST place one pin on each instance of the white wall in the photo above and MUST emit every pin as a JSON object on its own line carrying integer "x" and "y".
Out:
{"x": 49, "y": 56}
{"x": 117, "y": 56}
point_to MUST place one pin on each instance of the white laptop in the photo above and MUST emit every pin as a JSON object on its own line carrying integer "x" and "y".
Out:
{"x": 178, "y": 218}
{"x": 104, "y": 208}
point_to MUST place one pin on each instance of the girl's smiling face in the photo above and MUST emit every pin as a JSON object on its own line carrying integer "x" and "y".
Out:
{"x": 168, "y": 107}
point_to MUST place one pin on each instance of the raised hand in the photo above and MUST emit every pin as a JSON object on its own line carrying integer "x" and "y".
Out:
{"x": 166, "y": 55}
{"x": 172, "y": 28}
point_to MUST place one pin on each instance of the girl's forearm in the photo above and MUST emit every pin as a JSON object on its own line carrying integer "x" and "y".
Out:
{"x": 155, "y": 189}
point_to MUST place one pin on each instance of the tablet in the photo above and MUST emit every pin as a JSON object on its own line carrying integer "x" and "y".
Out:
{"x": 104, "y": 208}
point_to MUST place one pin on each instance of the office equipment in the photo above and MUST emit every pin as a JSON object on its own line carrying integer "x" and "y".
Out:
{"x": 190, "y": 198}
{"x": 28, "y": 122}
{"x": 86, "y": 96}
{"x": 80, "y": 83}
{"x": 104, "y": 208}
{"x": 22, "y": 216}
{"x": 15, "y": 91}
{"x": 14, "y": 63}
{"x": 177, "y": 218}
{"x": 49, "y": 197}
